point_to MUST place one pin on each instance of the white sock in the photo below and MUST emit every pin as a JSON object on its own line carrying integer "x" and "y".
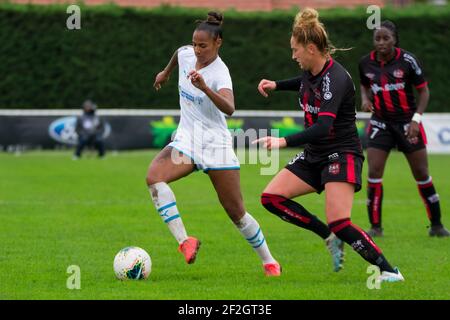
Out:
{"x": 251, "y": 231}
{"x": 166, "y": 205}
{"x": 330, "y": 237}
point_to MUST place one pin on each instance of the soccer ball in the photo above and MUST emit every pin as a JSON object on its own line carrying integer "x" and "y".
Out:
{"x": 132, "y": 263}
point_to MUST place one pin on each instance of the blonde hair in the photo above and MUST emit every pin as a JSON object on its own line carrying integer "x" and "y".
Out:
{"x": 308, "y": 29}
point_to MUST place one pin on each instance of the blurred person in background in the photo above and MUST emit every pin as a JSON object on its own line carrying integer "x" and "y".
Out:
{"x": 388, "y": 75}
{"x": 89, "y": 128}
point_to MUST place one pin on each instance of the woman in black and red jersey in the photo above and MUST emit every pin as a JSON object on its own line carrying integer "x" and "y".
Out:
{"x": 332, "y": 159}
{"x": 388, "y": 75}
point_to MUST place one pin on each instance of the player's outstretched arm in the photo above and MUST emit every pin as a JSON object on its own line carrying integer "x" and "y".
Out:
{"x": 314, "y": 133}
{"x": 271, "y": 142}
{"x": 265, "y": 86}
{"x": 164, "y": 75}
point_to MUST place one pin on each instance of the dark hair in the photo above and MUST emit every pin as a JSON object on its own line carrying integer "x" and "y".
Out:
{"x": 89, "y": 104}
{"x": 212, "y": 24}
{"x": 391, "y": 27}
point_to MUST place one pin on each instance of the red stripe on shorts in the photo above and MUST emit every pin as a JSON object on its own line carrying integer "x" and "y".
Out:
{"x": 351, "y": 168}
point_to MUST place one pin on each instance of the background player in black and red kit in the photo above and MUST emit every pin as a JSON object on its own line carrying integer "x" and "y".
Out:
{"x": 332, "y": 159}
{"x": 388, "y": 75}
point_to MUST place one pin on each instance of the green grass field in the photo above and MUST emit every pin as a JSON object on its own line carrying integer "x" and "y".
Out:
{"x": 55, "y": 212}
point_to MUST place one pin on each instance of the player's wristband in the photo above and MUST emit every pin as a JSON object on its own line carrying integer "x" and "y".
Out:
{"x": 417, "y": 117}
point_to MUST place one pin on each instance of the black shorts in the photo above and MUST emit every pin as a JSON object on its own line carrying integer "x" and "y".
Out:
{"x": 387, "y": 135}
{"x": 336, "y": 167}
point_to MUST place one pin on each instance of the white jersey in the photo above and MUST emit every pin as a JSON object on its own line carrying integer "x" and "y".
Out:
{"x": 201, "y": 121}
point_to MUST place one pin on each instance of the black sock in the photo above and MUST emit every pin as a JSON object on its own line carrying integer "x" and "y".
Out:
{"x": 360, "y": 242}
{"x": 431, "y": 200}
{"x": 374, "y": 202}
{"x": 294, "y": 213}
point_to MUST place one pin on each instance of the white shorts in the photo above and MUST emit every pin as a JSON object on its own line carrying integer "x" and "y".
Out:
{"x": 208, "y": 157}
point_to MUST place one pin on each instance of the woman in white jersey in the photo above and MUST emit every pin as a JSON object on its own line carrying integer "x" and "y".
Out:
{"x": 203, "y": 141}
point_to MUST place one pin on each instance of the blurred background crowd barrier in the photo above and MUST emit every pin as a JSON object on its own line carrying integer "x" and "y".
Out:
{"x": 22, "y": 130}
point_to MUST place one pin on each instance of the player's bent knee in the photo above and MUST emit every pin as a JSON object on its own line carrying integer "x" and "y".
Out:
{"x": 265, "y": 198}
{"x": 421, "y": 174}
{"x": 268, "y": 200}
{"x": 276, "y": 204}
{"x": 153, "y": 178}
{"x": 276, "y": 191}
{"x": 375, "y": 173}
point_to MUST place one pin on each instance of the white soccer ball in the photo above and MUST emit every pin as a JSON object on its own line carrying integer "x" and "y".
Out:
{"x": 132, "y": 263}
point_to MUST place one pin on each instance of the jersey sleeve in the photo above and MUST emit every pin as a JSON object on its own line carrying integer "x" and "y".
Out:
{"x": 416, "y": 74}
{"x": 183, "y": 53}
{"x": 223, "y": 80}
{"x": 333, "y": 89}
{"x": 317, "y": 131}
{"x": 292, "y": 84}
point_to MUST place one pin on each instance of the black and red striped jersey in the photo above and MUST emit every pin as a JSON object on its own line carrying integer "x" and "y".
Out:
{"x": 328, "y": 95}
{"x": 392, "y": 84}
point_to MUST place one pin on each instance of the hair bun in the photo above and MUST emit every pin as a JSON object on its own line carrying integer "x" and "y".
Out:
{"x": 214, "y": 18}
{"x": 306, "y": 17}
